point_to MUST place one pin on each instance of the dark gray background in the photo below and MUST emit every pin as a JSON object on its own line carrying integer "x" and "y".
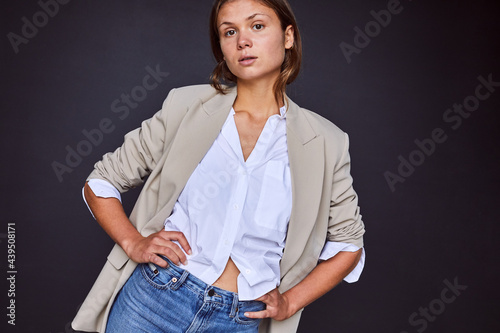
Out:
{"x": 440, "y": 224}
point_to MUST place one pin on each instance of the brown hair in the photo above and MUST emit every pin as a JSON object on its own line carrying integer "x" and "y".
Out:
{"x": 293, "y": 57}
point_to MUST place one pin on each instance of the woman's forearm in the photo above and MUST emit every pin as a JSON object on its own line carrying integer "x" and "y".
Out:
{"x": 111, "y": 217}
{"x": 322, "y": 279}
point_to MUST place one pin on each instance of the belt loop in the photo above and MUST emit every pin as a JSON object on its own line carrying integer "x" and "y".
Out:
{"x": 234, "y": 306}
{"x": 180, "y": 281}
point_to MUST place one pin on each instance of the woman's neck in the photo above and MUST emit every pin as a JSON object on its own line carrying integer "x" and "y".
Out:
{"x": 257, "y": 99}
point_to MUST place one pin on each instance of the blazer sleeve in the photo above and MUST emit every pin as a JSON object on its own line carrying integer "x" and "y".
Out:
{"x": 345, "y": 224}
{"x": 129, "y": 165}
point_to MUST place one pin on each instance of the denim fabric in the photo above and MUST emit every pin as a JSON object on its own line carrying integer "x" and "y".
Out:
{"x": 157, "y": 299}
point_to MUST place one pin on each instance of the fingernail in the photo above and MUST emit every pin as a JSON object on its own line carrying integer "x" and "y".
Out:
{"x": 246, "y": 314}
{"x": 190, "y": 252}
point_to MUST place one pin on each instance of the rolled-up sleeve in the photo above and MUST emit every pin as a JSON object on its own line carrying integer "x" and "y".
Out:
{"x": 332, "y": 248}
{"x": 345, "y": 224}
{"x": 102, "y": 189}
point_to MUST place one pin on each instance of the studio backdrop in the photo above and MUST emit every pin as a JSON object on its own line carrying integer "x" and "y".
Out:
{"x": 415, "y": 84}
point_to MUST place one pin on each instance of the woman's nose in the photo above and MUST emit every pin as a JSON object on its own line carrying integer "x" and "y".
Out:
{"x": 244, "y": 41}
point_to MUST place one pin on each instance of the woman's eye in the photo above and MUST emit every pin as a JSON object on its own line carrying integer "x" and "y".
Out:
{"x": 258, "y": 27}
{"x": 230, "y": 33}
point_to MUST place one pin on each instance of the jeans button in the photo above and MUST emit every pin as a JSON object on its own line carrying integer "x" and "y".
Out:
{"x": 211, "y": 292}
{"x": 174, "y": 280}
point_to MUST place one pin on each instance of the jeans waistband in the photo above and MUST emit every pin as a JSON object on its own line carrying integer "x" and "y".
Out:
{"x": 208, "y": 292}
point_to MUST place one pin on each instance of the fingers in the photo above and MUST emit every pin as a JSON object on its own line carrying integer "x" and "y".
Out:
{"x": 258, "y": 314}
{"x": 149, "y": 249}
{"x": 173, "y": 252}
{"x": 277, "y": 306}
{"x": 180, "y": 237}
{"x": 268, "y": 300}
{"x": 161, "y": 244}
{"x": 155, "y": 259}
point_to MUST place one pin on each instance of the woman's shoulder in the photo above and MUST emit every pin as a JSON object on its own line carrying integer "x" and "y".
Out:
{"x": 322, "y": 125}
{"x": 196, "y": 88}
{"x": 188, "y": 93}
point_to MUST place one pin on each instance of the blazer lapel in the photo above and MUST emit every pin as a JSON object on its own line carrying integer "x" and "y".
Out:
{"x": 306, "y": 157}
{"x": 196, "y": 134}
{"x": 207, "y": 118}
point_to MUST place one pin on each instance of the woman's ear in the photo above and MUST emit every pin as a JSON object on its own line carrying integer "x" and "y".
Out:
{"x": 289, "y": 37}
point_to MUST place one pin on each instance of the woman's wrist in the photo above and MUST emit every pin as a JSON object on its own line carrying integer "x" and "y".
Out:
{"x": 292, "y": 307}
{"x": 128, "y": 243}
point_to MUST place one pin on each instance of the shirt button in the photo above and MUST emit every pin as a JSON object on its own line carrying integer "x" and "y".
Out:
{"x": 248, "y": 271}
{"x": 236, "y": 207}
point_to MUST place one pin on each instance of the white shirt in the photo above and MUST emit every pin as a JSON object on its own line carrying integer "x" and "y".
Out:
{"x": 239, "y": 209}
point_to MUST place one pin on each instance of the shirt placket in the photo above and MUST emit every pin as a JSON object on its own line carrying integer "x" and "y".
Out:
{"x": 233, "y": 216}
{"x": 236, "y": 206}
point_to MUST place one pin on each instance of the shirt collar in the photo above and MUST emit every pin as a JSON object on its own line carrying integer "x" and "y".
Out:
{"x": 283, "y": 111}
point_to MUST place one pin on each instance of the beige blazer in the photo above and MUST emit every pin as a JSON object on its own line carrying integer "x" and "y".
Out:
{"x": 167, "y": 148}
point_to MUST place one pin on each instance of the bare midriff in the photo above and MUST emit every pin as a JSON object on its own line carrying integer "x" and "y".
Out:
{"x": 229, "y": 278}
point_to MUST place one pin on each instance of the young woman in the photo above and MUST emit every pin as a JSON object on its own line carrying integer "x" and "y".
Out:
{"x": 248, "y": 212}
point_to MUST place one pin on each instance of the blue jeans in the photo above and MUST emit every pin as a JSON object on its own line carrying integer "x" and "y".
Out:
{"x": 157, "y": 299}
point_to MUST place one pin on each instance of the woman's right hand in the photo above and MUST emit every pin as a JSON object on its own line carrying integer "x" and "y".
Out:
{"x": 110, "y": 215}
{"x": 147, "y": 249}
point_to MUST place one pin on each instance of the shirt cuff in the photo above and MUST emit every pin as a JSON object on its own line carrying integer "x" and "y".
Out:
{"x": 101, "y": 189}
{"x": 332, "y": 248}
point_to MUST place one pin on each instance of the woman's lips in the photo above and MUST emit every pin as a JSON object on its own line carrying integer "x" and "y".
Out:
{"x": 245, "y": 61}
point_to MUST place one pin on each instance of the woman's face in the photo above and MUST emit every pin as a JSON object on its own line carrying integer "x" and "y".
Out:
{"x": 252, "y": 40}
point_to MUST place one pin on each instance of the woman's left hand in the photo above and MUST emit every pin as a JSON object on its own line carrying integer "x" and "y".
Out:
{"x": 277, "y": 306}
